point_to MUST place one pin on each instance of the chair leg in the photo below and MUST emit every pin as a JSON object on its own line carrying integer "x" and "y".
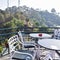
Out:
{"x": 48, "y": 57}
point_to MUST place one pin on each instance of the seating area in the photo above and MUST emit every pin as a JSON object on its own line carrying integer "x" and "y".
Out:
{"x": 18, "y": 53}
{"x": 21, "y": 49}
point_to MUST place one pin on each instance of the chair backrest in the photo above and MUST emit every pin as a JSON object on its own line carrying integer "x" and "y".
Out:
{"x": 21, "y": 37}
{"x": 13, "y": 43}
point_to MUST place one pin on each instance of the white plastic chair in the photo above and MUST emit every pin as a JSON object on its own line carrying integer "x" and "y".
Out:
{"x": 56, "y": 33}
{"x": 59, "y": 34}
{"x": 51, "y": 55}
{"x": 48, "y": 57}
{"x": 29, "y": 44}
{"x": 15, "y": 53}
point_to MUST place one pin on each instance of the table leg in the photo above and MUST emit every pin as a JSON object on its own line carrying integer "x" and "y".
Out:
{"x": 57, "y": 52}
{"x": 36, "y": 40}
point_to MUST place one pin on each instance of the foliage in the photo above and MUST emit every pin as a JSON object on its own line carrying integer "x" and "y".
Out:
{"x": 53, "y": 10}
{"x": 1, "y": 48}
{"x": 35, "y": 29}
{"x": 36, "y": 24}
{"x": 2, "y": 19}
{"x": 44, "y": 18}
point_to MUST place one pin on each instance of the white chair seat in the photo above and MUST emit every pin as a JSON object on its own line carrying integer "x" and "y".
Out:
{"x": 29, "y": 45}
{"x": 29, "y": 42}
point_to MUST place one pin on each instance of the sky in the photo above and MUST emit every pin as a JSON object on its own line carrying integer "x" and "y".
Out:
{"x": 41, "y": 4}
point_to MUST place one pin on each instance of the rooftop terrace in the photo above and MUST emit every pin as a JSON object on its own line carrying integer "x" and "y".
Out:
{"x": 7, "y": 34}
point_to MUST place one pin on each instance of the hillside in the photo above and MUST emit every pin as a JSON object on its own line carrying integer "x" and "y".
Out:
{"x": 39, "y": 18}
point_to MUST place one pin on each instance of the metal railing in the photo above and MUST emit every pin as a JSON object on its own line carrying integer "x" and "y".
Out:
{"x": 7, "y": 32}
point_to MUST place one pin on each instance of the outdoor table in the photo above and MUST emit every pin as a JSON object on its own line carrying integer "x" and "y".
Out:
{"x": 40, "y": 36}
{"x": 52, "y": 44}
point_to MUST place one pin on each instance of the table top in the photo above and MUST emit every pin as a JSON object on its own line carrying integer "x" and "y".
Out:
{"x": 53, "y": 44}
{"x": 40, "y": 35}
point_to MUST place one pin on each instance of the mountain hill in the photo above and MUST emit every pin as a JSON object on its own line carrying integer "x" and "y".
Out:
{"x": 40, "y": 18}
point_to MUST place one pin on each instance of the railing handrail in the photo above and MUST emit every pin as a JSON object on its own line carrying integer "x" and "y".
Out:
{"x": 5, "y": 34}
{"x": 27, "y": 27}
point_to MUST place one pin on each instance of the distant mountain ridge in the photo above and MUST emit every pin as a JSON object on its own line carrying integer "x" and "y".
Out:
{"x": 43, "y": 18}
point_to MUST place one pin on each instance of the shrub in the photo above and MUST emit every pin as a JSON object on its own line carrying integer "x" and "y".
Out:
{"x": 1, "y": 49}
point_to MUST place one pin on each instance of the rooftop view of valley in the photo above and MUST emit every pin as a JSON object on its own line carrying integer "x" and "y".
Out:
{"x": 36, "y": 15}
{"x": 29, "y": 30}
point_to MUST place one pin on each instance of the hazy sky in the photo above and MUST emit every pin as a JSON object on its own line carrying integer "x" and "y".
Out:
{"x": 41, "y": 4}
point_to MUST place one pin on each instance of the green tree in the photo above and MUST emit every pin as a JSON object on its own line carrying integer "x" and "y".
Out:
{"x": 53, "y": 10}
{"x": 2, "y": 19}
